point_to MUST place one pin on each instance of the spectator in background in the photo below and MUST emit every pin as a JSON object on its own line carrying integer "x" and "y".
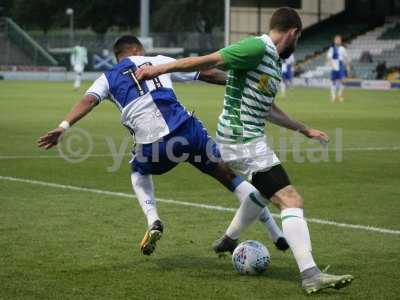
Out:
{"x": 287, "y": 74}
{"x": 381, "y": 70}
{"x": 339, "y": 62}
{"x": 366, "y": 57}
{"x": 79, "y": 59}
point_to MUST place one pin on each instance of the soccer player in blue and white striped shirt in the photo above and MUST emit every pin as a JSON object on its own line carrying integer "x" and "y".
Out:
{"x": 339, "y": 62}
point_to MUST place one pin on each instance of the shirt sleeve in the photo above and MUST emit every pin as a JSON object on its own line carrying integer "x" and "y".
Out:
{"x": 345, "y": 56}
{"x": 330, "y": 53}
{"x": 100, "y": 88}
{"x": 184, "y": 76}
{"x": 179, "y": 76}
{"x": 243, "y": 55}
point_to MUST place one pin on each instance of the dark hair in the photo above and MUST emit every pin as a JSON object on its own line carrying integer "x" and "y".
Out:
{"x": 124, "y": 42}
{"x": 285, "y": 18}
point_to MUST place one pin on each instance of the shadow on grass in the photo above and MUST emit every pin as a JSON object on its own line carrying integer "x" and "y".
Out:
{"x": 207, "y": 266}
{"x": 203, "y": 268}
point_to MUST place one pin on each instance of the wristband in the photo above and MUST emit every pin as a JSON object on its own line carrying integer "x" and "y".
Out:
{"x": 64, "y": 124}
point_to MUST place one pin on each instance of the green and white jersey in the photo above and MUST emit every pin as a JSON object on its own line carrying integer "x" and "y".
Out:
{"x": 79, "y": 56}
{"x": 253, "y": 80}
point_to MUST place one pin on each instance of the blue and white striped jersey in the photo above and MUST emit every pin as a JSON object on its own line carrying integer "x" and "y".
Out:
{"x": 149, "y": 109}
{"x": 288, "y": 63}
{"x": 338, "y": 57}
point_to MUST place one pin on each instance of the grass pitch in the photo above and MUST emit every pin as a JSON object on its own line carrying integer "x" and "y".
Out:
{"x": 73, "y": 244}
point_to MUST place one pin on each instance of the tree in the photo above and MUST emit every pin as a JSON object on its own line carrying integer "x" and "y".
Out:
{"x": 187, "y": 15}
{"x": 5, "y": 7}
{"x": 97, "y": 14}
{"x": 100, "y": 15}
{"x": 35, "y": 13}
{"x": 126, "y": 13}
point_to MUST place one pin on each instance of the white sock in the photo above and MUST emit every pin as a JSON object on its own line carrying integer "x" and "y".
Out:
{"x": 298, "y": 237}
{"x": 242, "y": 192}
{"x": 77, "y": 82}
{"x": 250, "y": 207}
{"x": 337, "y": 84}
{"x": 271, "y": 227}
{"x": 333, "y": 91}
{"x": 144, "y": 189}
{"x": 340, "y": 89}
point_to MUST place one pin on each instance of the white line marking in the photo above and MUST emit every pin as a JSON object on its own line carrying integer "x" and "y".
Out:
{"x": 57, "y": 156}
{"x": 183, "y": 203}
{"x": 394, "y": 148}
{"x": 349, "y": 149}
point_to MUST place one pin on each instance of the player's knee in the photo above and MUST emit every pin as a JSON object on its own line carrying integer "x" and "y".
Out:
{"x": 288, "y": 197}
{"x": 223, "y": 174}
{"x": 298, "y": 202}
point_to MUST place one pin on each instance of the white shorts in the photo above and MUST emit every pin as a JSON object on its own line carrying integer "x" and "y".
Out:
{"x": 247, "y": 159}
{"x": 78, "y": 68}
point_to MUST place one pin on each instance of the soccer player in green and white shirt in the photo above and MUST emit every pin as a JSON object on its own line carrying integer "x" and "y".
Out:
{"x": 254, "y": 75}
{"x": 78, "y": 61}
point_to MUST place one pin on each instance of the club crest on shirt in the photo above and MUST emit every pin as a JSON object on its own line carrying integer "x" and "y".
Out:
{"x": 267, "y": 85}
{"x": 263, "y": 83}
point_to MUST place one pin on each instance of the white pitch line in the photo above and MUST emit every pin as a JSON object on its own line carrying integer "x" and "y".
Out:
{"x": 349, "y": 149}
{"x": 394, "y": 148}
{"x": 58, "y": 156}
{"x": 198, "y": 205}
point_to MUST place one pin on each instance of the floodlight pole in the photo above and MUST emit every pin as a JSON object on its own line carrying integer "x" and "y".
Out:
{"x": 227, "y": 25}
{"x": 144, "y": 18}
{"x": 70, "y": 13}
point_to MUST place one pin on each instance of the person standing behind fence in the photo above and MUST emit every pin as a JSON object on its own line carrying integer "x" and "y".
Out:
{"x": 339, "y": 62}
{"x": 78, "y": 61}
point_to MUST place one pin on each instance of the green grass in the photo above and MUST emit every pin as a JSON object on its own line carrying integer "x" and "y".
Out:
{"x": 57, "y": 243}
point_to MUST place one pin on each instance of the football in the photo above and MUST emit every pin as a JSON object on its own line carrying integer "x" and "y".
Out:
{"x": 251, "y": 258}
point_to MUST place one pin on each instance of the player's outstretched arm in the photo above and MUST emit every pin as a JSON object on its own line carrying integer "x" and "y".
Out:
{"x": 280, "y": 118}
{"x": 80, "y": 109}
{"x": 214, "y": 76}
{"x": 188, "y": 64}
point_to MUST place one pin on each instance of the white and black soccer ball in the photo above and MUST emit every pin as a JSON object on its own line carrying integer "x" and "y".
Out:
{"x": 251, "y": 258}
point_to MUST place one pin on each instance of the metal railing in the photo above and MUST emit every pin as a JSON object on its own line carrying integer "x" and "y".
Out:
{"x": 9, "y": 30}
{"x": 190, "y": 41}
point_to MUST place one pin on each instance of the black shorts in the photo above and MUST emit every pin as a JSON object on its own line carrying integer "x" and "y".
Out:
{"x": 271, "y": 181}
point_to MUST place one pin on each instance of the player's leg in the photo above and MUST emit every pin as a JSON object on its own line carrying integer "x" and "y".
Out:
{"x": 258, "y": 156}
{"x": 333, "y": 90}
{"x": 297, "y": 234}
{"x": 244, "y": 190}
{"x": 294, "y": 225}
{"x": 144, "y": 190}
{"x": 149, "y": 159}
{"x": 206, "y": 158}
{"x": 78, "y": 79}
{"x": 340, "y": 90}
{"x": 275, "y": 183}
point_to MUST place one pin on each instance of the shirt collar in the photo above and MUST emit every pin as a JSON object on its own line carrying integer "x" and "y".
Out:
{"x": 271, "y": 44}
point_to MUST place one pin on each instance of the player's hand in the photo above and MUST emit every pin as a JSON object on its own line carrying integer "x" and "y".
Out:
{"x": 50, "y": 139}
{"x": 321, "y": 136}
{"x": 147, "y": 72}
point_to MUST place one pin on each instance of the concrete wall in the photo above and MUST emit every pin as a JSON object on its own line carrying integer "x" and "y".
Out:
{"x": 247, "y": 20}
